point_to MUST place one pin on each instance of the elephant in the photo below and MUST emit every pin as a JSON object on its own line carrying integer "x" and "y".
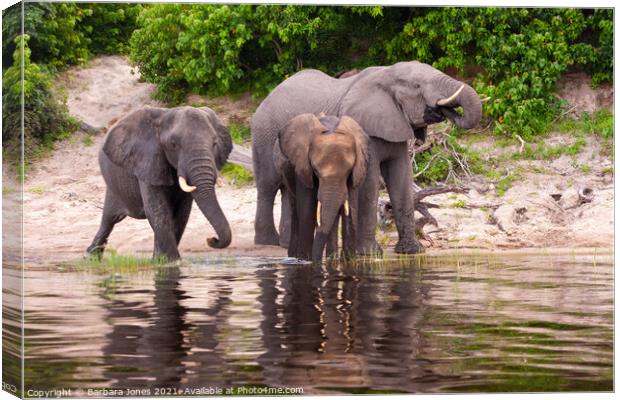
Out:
{"x": 141, "y": 160}
{"x": 322, "y": 161}
{"x": 392, "y": 104}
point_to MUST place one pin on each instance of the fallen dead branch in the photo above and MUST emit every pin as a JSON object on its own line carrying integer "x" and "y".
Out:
{"x": 522, "y": 143}
{"x": 241, "y": 156}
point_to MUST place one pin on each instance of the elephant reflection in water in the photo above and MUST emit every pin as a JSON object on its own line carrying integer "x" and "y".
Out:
{"x": 320, "y": 327}
{"x": 341, "y": 327}
{"x": 152, "y": 347}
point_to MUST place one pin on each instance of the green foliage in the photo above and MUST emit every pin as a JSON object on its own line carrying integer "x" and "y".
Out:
{"x": 109, "y": 26}
{"x": 45, "y": 119}
{"x": 68, "y": 33}
{"x": 515, "y": 54}
{"x": 217, "y": 49}
{"x": 608, "y": 171}
{"x": 436, "y": 165}
{"x": 541, "y": 151}
{"x": 459, "y": 203}
{"x": 600, "y": 123}
{"x": 441, "y": 161}
{"x": 183, "y": 47}
{"x": 87, "y": 140}
{"x": 519, "y": 54}
{"x": 502, "y": 186}
{"x": 240, "y": 133}
{"x": 237, "y": 175}
{"x": 57, "y": 35}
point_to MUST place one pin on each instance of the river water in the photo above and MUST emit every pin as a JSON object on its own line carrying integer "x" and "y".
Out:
{"x": 477, "y": 323}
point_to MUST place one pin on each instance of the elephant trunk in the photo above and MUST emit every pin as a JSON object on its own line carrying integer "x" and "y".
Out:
{"x": 203, "y": 174}
{"x": 456, "y": 94}
{"x": 332, "y": 201}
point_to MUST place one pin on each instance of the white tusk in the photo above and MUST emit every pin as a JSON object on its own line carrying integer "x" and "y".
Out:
{"x": 485, "y": 100}
{"x": 184, "y": 186}
{"x": 318, "y": 214}
{"x": 346, "y": 207}
{"x": 445, "y": 102}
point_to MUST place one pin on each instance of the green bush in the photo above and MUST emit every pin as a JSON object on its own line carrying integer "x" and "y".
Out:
{"x": 519, "y": 55}
{"x": 109, "y": 26}
{"x": 62, "y": 34}
{"x": 237, "y": 175}
{"x": 513, "y": 55}
{"x": 45, "y": 119}
{"x": 221, "y": 48}
{"x": 239, "y": 133}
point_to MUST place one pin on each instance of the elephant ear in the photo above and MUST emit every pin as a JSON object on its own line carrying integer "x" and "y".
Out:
{"x": 222, "y": 144}
{"x": 133, "y": 144}
{"x": 295, "y": 139}
{"x": 373, "y": 106}
{"x": 284, "y": 167}
{"x": 349, "y": 125}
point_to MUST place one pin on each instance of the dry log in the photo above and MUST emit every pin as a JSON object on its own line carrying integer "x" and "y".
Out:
{"x": 241, "y": 156}
{"x": 88, "y": 128}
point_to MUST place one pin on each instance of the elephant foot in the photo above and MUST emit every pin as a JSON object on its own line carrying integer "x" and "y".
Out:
{"x": 165, "y": 257}
{"x": 370, "y": 249}
{"x": 408, "y": 247}
{"x": 267, "y": 239}
{"x": 94, "y": 251}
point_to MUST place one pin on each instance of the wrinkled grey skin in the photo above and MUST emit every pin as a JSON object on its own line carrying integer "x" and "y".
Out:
{"x": 392, "y": 105}
{"x": 322, "y": 162}
{"x": 141, "y": 160}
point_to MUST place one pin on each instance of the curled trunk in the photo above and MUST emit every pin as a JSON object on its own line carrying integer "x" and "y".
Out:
{"x": 466, "y": 98}
{"x": 203, "y": 176}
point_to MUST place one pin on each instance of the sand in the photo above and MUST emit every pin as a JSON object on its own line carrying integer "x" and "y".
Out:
{"x": 64, "y": 191}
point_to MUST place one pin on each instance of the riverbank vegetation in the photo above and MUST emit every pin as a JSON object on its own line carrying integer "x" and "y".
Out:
{"x": 515, "y": 56}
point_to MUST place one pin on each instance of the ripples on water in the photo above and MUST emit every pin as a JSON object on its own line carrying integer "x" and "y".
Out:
{"x": 480, "y": 323}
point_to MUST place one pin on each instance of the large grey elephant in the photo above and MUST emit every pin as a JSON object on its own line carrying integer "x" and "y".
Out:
{"x": 392, "y": 105}
{"x": 155, "y": 162}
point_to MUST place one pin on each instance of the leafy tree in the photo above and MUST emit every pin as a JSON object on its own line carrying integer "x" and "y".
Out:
{"x": 45, "y": 119}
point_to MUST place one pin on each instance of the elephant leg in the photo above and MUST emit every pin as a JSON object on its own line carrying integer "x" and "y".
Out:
{"x": 182, "y": 211}
{"x": 348, "y": 237}
{"x": 306, "y": 203}
{"x": 398, "y": 178}
{"x": 113, "y": 213}
{"x": 294, "y": 250}
{"x": 159, "y": 212}
{"x": 268, "y": 182}
{"x": 285, "y": 218}
{"x": 264, "y": 228}
{"x": 366, "y": 243}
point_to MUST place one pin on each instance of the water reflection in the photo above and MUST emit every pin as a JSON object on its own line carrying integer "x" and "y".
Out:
{"x": 436, "y": 325}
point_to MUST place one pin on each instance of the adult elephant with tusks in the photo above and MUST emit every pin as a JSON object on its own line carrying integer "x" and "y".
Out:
{"x": 155, "y": 162}
{"x": 392, "y": 104}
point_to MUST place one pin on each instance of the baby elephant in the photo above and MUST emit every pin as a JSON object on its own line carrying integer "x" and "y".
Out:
{"x": 155, "y": 162}
{"x": 322, "y": 160}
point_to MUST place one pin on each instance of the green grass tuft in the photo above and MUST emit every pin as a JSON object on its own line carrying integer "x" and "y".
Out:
{"x": 502, "y": 186}
{"x": 112, "y": 260}
{"x": 36, "y": 190}
{"x": 458, "y": 204}
{"x": 237, "y": 175}
{"x": 88, "y": 140}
